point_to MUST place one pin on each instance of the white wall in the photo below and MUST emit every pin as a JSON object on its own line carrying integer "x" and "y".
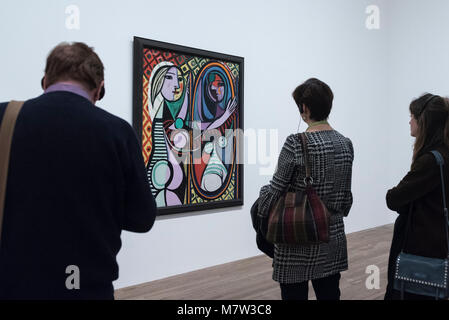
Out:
{"x": 418, "y": 63}
{"x": 284, "y": 43}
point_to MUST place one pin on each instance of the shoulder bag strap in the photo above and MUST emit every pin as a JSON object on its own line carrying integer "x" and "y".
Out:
{"x": 440, "y": 161}
{"x": 308, "y": 179}
{"x": 6, "y": 132}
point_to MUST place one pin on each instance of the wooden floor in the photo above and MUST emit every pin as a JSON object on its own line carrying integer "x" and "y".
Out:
{"x": 250, "y": 279}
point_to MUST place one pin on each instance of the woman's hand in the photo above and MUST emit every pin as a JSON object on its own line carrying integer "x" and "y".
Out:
{"x": 230, "y": 108}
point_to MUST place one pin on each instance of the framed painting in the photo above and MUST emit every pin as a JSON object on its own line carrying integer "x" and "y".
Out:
{"x": 188, "y": 113}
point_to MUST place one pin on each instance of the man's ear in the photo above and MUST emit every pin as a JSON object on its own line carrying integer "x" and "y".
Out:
{"x": 98, "y": 94}
{"x": 44, "y": 82}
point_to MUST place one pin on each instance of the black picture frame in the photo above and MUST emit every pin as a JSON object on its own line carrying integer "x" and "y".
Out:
{"x": 139, "y": 45}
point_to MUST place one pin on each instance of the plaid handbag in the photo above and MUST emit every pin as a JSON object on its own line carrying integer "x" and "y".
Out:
{"x": 300, "y": 217}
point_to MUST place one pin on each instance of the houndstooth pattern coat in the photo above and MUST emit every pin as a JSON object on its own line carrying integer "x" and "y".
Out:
{"x": 330, "y": 158}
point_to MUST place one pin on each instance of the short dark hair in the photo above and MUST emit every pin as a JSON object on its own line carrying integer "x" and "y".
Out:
{"x": 76, "y": 62}
{"x": 317, "y": 96}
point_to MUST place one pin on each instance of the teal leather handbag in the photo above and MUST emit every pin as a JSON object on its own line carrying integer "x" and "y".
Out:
{"x": 422, "y": 275}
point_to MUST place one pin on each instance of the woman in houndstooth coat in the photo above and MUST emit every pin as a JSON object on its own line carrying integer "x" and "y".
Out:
{"x": 330, "y": 156}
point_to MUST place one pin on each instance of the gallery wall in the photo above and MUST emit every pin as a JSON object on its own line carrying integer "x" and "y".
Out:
{"x": 418, "y": 63}
{"x": 284, "y": 43}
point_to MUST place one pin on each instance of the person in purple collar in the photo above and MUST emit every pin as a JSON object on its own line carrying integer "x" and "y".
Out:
{"x": 75, "y": 87}
{"x": 76, "y": 180}
{"x": 85, "y": 78}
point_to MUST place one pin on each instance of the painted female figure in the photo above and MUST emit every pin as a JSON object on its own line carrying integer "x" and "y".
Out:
{"x": 168, "y": 107}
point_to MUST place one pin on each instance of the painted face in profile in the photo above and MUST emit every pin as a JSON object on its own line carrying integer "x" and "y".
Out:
{"x": 172, "y": 86}
{"x": 216, "y": 88}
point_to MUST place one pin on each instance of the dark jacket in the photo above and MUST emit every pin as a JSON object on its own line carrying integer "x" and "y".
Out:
{"x": 421, "y": 189}
{"x": 76, "y": 180}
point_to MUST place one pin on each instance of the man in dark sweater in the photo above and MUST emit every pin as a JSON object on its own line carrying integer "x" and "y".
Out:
{"x": 76, "y": 180}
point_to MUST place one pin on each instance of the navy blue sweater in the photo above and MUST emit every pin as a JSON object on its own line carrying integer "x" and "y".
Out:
{"x": 76, "y": 180}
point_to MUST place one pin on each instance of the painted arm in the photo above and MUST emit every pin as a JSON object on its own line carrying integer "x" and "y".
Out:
{"x": 230, "y": 108}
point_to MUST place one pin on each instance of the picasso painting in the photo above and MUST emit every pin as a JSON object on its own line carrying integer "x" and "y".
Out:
{"x": 188, "y": 113}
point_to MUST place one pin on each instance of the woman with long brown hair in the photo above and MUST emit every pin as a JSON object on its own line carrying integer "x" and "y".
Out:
{"x": 419, "y": 192}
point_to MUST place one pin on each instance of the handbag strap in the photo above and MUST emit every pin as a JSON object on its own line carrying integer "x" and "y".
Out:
{"x": 308, "y": 180}
{"x": 6, "y": 133}
{"x": 440, "y": 160}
